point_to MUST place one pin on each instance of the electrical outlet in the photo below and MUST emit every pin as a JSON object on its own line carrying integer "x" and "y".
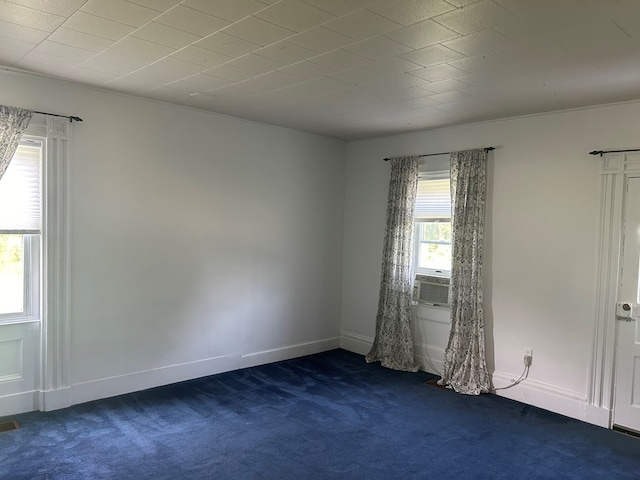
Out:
{"x": 527, "y": 356}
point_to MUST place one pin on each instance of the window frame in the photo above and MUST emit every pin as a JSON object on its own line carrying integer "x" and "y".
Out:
{"x": 32, "y": 257}
{"x": 432, "y": 272}
{"x": 436, "y": 168}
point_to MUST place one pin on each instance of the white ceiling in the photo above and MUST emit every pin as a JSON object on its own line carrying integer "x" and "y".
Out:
{"x": 348, "y": 69}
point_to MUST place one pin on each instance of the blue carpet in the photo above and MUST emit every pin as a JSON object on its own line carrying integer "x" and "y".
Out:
{"x": 329, "y": 415}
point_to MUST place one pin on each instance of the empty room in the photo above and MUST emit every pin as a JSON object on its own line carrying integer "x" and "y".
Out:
{"x": 278, "y": 239}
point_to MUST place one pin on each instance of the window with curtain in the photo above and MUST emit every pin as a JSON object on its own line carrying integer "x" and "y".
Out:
{"x": 20, "y": 231}
{"x": 433, "y": 220}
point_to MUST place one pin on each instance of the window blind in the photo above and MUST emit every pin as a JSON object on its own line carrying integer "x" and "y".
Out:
{"x": 434, "y": 197}
{"x": 20, "y": 199}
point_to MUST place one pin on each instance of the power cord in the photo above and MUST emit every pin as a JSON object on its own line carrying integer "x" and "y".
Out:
{"x": 523, "y": 377}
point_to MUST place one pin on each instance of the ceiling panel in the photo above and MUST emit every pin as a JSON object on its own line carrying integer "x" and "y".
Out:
{"x": 345, "y": 68}
{"x": 78, "y": 39}
{"x": 294, "y": 15}
{"x": 192, "y": 21}
{"x": 423, "y": 34}
{"x": 362, "y": 24}
{"x": 408, "y": 12}
{"x": 286, "y": 52}
{"x": 120, "y": 11}
{"x": 164, "y": 35}
{"x": 226, "y": 44}
{"x": 98, "y": 26}
{"x": 29, "y": 17}
{"x": 321, "y": 40}
{"x": 258, "y": 31}
{"x": 22, "y": 33}
{"x": 231, "y": 10}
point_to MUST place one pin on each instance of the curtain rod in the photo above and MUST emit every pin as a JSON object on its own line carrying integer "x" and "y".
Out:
{"x": 486, "y": 149}
{"x": 600, "y": 152}
{"x": 70, "y": 117}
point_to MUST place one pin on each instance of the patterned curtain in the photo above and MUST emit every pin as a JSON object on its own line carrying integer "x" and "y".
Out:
{"x": 13, "y": 123}
{"x": 464, "y": 367}
{"x": 393, "y": 343}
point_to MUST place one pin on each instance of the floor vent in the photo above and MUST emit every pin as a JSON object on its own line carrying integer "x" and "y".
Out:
{"x": 434, "y": 383}
{"x": 8, "y": 426}
{"x": 626, "y": 431}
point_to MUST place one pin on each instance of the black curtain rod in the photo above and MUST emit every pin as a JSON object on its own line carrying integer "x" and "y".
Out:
{"x": 71, "y": 118}
{"x": 600, "y": 152}
{"x": 486, "y": 149}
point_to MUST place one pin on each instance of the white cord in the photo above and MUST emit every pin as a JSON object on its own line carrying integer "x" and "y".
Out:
{"x": 522, "y": 378}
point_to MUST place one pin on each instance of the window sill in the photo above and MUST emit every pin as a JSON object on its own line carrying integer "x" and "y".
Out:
{"x": 18, "y": 320}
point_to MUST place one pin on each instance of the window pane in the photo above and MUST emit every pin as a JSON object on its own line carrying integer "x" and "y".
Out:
{"x": 436, "y": 232}
{"x": 435, "y": 256}
{"x": 11, "y": 273}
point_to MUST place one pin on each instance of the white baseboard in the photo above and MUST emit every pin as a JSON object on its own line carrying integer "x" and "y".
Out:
{"x": 286, "y": 353}
{"x": 54, "y": 399}
{"x": 429, "y": 357}
{"x": 356, "y": 343}
{"x": 119, "y": 385}
{"x": 531, "y": 392}
{"x": 543, "y": 395}
{"x": 156, "y": 377}
{"x": 18, "y": 403}
{"x": 598, "y": 416}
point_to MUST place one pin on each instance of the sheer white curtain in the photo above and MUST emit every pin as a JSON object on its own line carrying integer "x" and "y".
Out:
{"x": 393, "y": 343}
{"x": 464, "y": 367}
{"x": 13, "y": 123}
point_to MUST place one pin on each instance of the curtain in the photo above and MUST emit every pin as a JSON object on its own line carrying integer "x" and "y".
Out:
{"x": 464, "y": 367}
{"x": 13, "y": 123}
{"x": 393, "y": 343}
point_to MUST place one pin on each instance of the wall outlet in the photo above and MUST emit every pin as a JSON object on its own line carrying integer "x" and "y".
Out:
{"x": 527, "y": 356}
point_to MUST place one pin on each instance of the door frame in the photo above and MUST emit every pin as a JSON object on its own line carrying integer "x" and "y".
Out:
{"x": 615, "y": 169}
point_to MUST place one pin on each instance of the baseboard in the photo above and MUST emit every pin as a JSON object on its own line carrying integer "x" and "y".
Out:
{"x": 543, "y": 395}
{"x": 18, "y": 403}
{"x": 54, "y": 399}
{"x": 119, "y": 385}
{"x": 598, "y": 416}
{"x": 133, "y": 382}
{"x": 429, "y": 358}
{"x": 356, "y": 343}
{"x": 286, "y": 353}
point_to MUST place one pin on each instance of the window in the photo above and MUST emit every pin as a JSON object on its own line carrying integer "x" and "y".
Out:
{"x": 433, "y": 224}
{"x": 20, "y": 232}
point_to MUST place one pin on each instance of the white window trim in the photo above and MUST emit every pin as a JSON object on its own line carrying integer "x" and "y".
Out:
{"x": 31, "y": 305}
{"x": 432, "y": 272}
{"x": 32, "y": 302}
{"x": 55, "y": 341}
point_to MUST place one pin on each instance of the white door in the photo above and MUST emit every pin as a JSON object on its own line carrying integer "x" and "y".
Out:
{"x": 626, "y": 412}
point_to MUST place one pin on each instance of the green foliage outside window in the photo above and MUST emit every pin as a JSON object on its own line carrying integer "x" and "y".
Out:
{"x": 11, "y": 273}
{"x": 435, "y": 245}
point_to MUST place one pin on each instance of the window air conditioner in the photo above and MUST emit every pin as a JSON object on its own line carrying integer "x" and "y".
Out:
{"x": 432, "y": 290}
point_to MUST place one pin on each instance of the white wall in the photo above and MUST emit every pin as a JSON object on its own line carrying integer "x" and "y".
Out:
{"x": 199, "y": 243}
{"x": 541, "y": 245}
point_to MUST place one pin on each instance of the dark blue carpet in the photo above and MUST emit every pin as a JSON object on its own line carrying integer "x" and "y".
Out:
{"x": 329, "y": 415}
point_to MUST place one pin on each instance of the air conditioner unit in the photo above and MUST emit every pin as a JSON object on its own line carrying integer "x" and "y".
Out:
{"x": 431, "y": 290}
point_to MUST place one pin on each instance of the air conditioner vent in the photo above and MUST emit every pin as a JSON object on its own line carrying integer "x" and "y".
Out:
{"x": 432, "y": 290}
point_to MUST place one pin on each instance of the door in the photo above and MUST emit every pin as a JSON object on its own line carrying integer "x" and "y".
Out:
{"x": 626, "y": 411}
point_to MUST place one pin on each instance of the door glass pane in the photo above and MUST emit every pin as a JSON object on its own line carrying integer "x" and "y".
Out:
{"x": 11, "y": 273}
